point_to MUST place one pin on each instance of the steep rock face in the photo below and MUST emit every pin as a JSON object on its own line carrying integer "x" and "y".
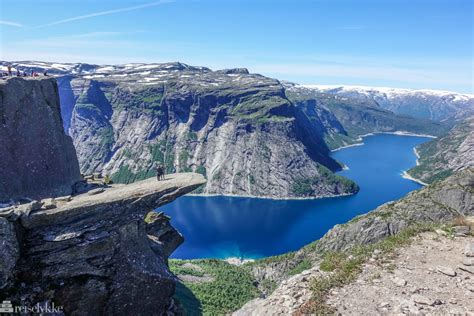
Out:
{"x": 248, "y": 134}
{"x": 9, "y": 251}
{"x": 236, "y": 128}
{"x": 427, "y": 104}
{"x": 441, "y": 157}
{"x": 37, "y": 159}
{"x": 97, "y": 254}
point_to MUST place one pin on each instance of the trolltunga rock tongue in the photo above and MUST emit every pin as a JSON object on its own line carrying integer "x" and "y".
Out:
{"x": 105, "y": 253}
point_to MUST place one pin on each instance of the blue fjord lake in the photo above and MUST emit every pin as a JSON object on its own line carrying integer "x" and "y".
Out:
{"x": 223, "y": 227}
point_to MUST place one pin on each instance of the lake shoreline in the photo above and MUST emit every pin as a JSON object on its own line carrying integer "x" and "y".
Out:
{"x": 271, "y": 197}
{"x": 360, "y": 138}
{"x": 405, "y": 175}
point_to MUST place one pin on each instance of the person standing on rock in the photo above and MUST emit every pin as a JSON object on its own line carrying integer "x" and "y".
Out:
{"x": 160, "y": 172}
{"x": 9, "y": 67}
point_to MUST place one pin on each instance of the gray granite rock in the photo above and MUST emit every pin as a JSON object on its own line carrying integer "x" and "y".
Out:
{"x": 97, "y": 254}
{"x": 96, "y": 191}
{"x": 44, "y": 161}
{"x": 447, "y": 271}
{"x": 9, "y": 252}
{"x": 469, "y": 251}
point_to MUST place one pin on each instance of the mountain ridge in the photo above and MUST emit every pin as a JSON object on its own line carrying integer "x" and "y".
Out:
{"x": 250, "y": 135}
{"x": 437, "y": 105}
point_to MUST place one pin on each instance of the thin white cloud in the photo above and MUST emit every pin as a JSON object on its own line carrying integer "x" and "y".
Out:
{"x": 109, "y": 12}
{"x": 10, "y": 23}
{"x": 350, "y": 28}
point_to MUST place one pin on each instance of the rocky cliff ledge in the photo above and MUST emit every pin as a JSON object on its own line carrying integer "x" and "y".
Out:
{"x": 37, "y": 158}
{"x": 103, "y": 252}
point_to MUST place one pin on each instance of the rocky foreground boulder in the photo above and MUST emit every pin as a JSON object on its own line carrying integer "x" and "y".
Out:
{"x": 37, "y": 159}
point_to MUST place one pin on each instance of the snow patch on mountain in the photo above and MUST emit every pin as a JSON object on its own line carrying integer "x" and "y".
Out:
{"x": 389, "y": 91}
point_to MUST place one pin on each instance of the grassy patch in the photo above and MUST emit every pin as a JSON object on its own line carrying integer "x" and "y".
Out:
{"x": 157, "y": 153}
{"x": 192, "y": 135}
{"x": 178, "y": 268}
{"x": 183, "y": 161}
{"x": 268, "y": 286}
{"x": 107, "y": 134}
{"x": 273, "y": 259}
{"x": 251, "y": 179}
{"x": 217, "y": 176}
{"x": 300, "y": 267}
{"x": 337, "y": 140}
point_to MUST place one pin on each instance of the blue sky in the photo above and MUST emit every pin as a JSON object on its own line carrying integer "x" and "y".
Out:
{"x": 396, "y": 43}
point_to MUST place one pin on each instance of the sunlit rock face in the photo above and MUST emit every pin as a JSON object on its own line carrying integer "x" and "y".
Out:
{"x": 236, "y": 128}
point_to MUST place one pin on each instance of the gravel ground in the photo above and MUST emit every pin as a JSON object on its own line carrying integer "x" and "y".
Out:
{"x": 432, "y": 276}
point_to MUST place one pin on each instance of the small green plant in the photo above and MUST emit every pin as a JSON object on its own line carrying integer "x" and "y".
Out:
{"x": 332, "y": 261}
{"x": 107, "y": 180}
{"x": 268, "y": 286}
{"x": 300, "y": 267}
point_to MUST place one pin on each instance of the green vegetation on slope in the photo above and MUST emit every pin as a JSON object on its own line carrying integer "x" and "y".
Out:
{"x": 223, "y": 289}
{"x": 359, "y": 119}
{"x": 304, "y": 187}
{"x": 436, "y": 156}
{"x": 125, "y": 175}
{"x": 338, "y": 140}
{"x": 300, "y": 267}
{"x": 148, "y": 100}
{"x": 261, "y": 107}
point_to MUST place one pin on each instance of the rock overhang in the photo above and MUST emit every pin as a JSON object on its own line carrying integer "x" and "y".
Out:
{"x": 139, "y": 197}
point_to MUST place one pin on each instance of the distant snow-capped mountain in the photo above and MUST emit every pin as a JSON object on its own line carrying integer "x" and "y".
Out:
{"x": 436, "y": 105}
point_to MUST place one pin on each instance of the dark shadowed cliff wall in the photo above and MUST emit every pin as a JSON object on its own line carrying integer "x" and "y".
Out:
{"x": 37, "y": 159}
